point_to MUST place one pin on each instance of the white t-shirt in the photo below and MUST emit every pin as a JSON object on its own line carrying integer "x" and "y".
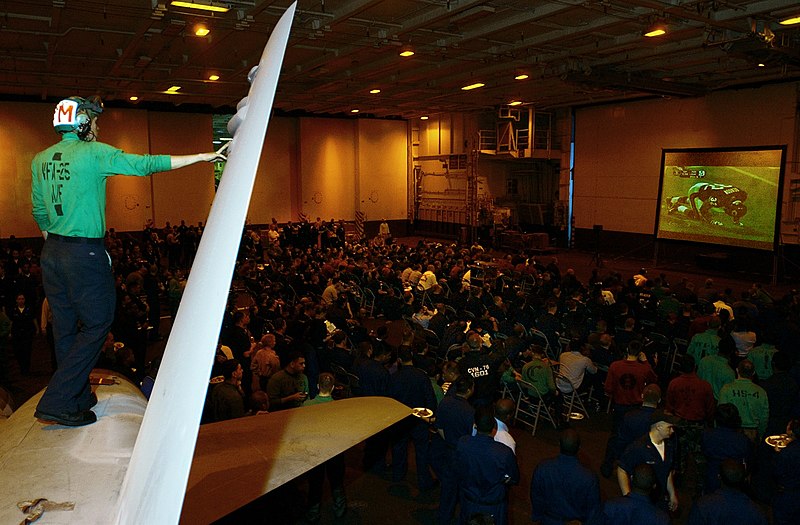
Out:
{"x": 660, "y": 447}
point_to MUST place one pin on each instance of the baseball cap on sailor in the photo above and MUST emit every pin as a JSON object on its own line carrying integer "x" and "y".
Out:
{"x": 660, "y": 415}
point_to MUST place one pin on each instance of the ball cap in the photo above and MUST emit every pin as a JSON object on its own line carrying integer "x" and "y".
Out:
{"x": 660, "y": 415}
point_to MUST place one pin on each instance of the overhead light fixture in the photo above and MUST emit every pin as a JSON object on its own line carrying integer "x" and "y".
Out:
{"x": 761, "y": 64}
{"x": 354, "y": 110}
{"x": 172, "y": 90}
{"x": 213, "y": 78}
{"x": 374, "y": 91}
{"x": 210, "y": 5}
{"x": 790, "y": 21}
{"x": 424, "y": 117}
{"x": 473, "y": 86}
{"x": 201, "y": 30}
{"x": 656, "y": 29}
{"x": 521, "y": 76}
{"x": 515, "y": 103}
{"x": 407, "y": 51}
{"x": 134, "y": 98}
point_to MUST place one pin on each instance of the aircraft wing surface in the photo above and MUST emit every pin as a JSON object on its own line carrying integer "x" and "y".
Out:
{"x": 81, "y": 465}
{"x": 237, "y": 461}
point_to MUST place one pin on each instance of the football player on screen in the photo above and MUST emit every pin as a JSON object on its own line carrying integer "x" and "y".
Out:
{"x": 704, "y": 197}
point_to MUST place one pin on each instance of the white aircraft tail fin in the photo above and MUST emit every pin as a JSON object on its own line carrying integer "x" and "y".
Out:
{"x": 156, "y": 479}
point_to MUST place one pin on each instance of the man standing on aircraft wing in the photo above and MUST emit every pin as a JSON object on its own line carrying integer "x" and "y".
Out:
{"x": 68, "y": 192}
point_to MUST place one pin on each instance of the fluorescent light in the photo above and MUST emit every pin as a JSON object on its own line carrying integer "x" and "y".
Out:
{"x": 473, "y": 86}
{"x": 406, "y": 51}
{"x": 424, "y": 117}
{"x": 211, "y": 6}
{"x": 522, "y": 76}
{"x": 226, "y": 138}
{"x": 213, "y": 78}
{"x": 134, "y": 98}
{"x": 761, "y": 64}
{"x": 515, "y": 103}
{"x": 354, "y": 111}
{"x": 201, "y": 31}
{"x": 173, "y": 88}
{"x": 374, "y": 91}
{"x": 790, "y": 21}
{"x": 656, "y": 30}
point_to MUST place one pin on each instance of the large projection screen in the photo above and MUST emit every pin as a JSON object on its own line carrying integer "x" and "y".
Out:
{"x": 726, "y": 196}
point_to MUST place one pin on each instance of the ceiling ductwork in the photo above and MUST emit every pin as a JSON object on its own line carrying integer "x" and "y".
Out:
{"x": 554, "y": 54}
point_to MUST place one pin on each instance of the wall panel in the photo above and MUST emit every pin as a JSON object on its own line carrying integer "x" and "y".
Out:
{"x": 275, "y": 191}
{"x": 327, "y": 167}
{"x": 382, "y": 168}
{"x": 129, "y": 200}
{"x": 186, "y": 193}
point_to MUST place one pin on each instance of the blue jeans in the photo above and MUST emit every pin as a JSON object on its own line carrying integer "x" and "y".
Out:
{"x": 79, "y": 285}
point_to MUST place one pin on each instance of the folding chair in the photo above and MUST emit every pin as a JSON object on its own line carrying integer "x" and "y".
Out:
{"x": 356, "y": 292}
{"x": 510, "y": 391}
{"x": 528, "y": 284}
{"x": 453, "y": 352}
{"x": 658, "y": 344}
{"x": 368, "y": 301}
{"x": 540, "y": 338}
{"x": 347, "y": 382}
{"x": 532, "y": 405}
{"x": 572, "y": 399}
{"x": 679, "y": 347}
{"x": 450, "y": 313}
{"x": 431, "y": 338}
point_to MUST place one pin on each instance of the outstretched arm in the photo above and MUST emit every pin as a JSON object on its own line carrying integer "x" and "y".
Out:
{"x": 181, "y": 161}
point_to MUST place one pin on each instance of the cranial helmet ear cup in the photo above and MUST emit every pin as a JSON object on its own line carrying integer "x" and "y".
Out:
{"x": 75, "y": 114}
{"x": 83, "y": 124}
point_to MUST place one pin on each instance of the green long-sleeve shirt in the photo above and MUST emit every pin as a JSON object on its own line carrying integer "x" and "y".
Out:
{"x": 539, "y": 374}
{"x": 703, "y": 344}
{"x": 751, "y": 400}
{"x": 761, "y": 356}
{"x": 716, "y": 370}
{"x": 68, "y": 185}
